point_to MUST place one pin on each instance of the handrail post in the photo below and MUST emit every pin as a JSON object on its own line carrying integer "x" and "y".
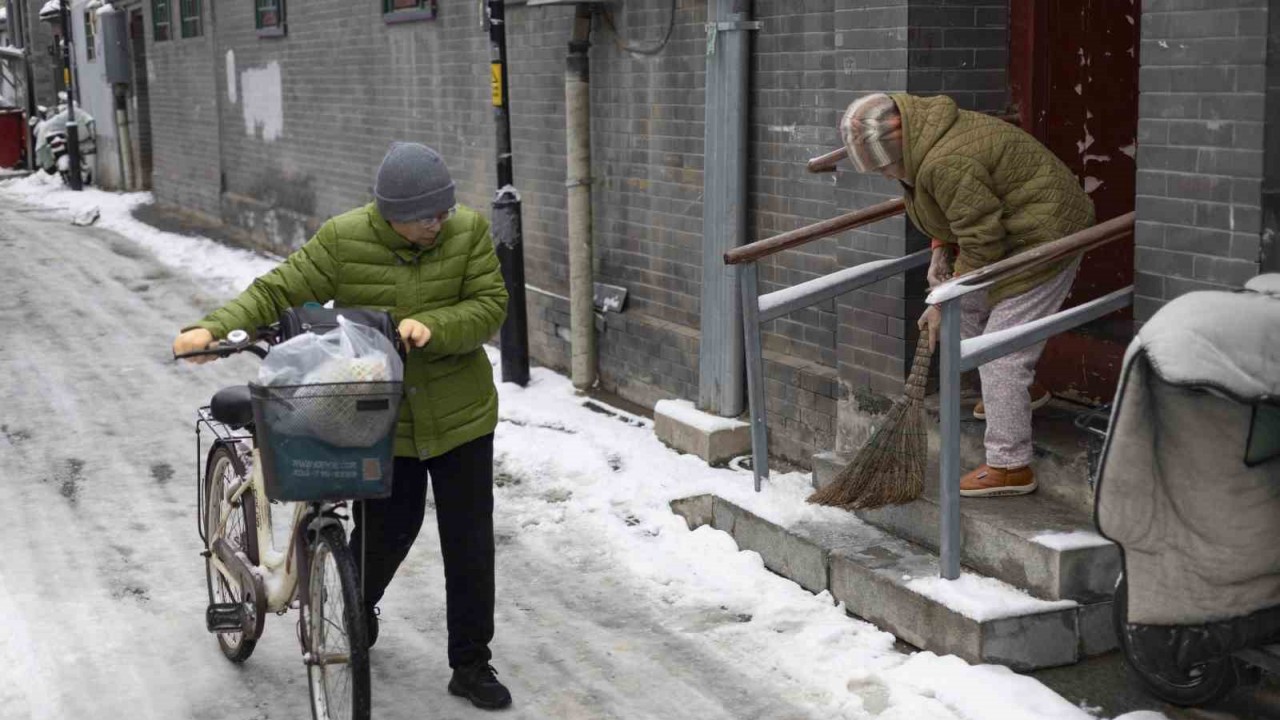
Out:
{"x": 949, "y": 452}
{"x": 749, "y": 283}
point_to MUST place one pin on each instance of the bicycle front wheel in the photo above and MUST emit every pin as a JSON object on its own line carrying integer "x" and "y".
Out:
{"x": 337, "y": 643}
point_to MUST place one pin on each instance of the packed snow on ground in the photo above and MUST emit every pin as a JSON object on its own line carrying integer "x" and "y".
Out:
{"x": 223, "y": 268}
{"x": 594, "y": 490}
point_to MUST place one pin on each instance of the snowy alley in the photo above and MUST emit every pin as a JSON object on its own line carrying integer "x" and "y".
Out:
{"x": 608, "y": 606}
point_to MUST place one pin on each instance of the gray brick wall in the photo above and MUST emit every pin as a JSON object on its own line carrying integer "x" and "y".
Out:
{"x": 46, "y": 67}
{"x": 1270, "y": 244}
{"x": 793, "y": 117}
{"x": 960, "y": 48}
{"x": 1203, "y": 86}
{"x": 278, "y": 157}
{"x": 422, "y": 81}
{"x": 184, "y": 116}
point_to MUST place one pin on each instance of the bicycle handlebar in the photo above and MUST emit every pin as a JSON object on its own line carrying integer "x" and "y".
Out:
{"x": 270, "y": 334}
{"x": 227, "y": 348}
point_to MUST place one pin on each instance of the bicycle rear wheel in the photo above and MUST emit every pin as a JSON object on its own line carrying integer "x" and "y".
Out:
{"x": 240, "y": 532}
{"x": 337, "y": 643}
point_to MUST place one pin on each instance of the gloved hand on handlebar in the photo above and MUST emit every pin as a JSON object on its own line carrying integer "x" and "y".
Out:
{"x": 414, "y": 333}
{"x": 192, "y": 340}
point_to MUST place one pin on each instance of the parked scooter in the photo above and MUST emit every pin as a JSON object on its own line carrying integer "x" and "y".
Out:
{"x": 51, "y": 141}
{"x": 1189, "y": 488}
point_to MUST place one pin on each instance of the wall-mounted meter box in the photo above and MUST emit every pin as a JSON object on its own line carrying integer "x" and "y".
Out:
{"x": 113, "y": 25}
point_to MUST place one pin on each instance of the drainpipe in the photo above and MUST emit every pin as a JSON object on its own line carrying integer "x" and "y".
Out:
{"x": 125, "y": 145}
{"x": 577, "y": 94}
{"x": 724, "y": 205}
{"x": 19, "y": 30}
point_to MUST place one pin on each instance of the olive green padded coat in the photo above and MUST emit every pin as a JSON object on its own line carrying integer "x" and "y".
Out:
{"x": 454, "y": 287}
{"x": 988, "y": 187}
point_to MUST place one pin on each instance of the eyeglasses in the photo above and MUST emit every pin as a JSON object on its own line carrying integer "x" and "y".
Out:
{"x": 439, "y": 219}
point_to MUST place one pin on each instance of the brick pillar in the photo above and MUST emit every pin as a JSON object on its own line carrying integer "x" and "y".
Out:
{"x": 1203, "y": 85}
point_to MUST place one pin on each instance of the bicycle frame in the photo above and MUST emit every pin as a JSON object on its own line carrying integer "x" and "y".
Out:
{"x": 279, "y": 569}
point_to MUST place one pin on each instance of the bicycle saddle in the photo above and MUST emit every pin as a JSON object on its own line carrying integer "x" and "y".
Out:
{"x": 230, "y": 406}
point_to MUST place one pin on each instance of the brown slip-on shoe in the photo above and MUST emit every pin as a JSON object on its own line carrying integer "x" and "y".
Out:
{"x": 987, "y": 481}
{"x": 1040, "y": 396}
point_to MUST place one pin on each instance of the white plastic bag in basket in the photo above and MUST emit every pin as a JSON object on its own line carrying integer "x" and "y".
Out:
{"x": 330, "y": 372}
{"x": 350, "y": 352}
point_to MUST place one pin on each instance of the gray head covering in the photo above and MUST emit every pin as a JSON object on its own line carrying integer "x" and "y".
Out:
{"x": 413, "y": 183}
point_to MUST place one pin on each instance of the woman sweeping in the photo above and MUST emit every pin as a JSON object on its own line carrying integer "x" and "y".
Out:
{"x": 985, "y": 190}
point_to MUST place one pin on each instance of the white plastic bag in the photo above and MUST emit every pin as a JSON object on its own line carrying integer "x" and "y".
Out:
{"x": 333, "y": 377}
{"x": 348, "y": 353}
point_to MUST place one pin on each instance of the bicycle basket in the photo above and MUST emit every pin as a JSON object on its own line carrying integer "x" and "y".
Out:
{"x": 330, "y": 441}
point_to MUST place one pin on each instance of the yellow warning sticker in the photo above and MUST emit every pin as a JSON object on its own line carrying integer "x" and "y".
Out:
{"x": 495, "y": 83}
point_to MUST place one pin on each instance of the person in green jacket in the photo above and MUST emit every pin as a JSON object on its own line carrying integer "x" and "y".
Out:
{"x": 983, "y": 190}
{"x": 430, "y": 262}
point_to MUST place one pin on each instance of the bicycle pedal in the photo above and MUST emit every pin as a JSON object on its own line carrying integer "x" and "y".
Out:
{"x": 224, "y": 617}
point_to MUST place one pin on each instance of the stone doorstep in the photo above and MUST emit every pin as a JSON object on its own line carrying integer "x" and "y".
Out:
{"x": 864, "y": 568}
{"x": 1061, "y": 458}
{"x": 715, "y": 439}
{"x": 998, "y": 537}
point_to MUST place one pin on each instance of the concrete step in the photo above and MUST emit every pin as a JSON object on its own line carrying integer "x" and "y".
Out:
{"x": 1034, "y": 542}
{"x": 895, "y": 585}
{"x": 1061, "y": 450}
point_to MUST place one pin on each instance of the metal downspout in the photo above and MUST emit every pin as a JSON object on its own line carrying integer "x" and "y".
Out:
{"x": 577, "y": 93}
{"x": 724, "y": 213}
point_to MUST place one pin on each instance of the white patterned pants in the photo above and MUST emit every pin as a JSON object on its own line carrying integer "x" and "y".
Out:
{"x": 1005, "y": 380}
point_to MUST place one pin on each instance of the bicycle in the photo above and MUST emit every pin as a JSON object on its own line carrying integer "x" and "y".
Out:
{"x": 247, "y": 576}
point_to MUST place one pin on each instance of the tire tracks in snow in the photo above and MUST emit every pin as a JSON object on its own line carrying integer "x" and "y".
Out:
{"x": 104, "y": 596}
{"x": 108, "y": 582}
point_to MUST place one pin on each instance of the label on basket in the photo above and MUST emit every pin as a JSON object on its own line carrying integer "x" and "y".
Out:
{"x": 324, "y": 469}
{"x": 372, "y": 470}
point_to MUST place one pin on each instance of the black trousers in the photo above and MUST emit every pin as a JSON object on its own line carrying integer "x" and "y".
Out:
{"x": 462, "y": 481}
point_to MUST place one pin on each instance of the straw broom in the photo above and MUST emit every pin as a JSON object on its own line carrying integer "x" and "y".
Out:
{"x": 889, "y": 469}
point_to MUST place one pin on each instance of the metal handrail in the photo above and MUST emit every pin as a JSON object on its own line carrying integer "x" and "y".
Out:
{"x": 758, "y": 309}
{"x": 811, "y": 292}
{"x": 817, "y": 231}
{"x": 958, "y": 355}
{"x": 1075, "y": 243}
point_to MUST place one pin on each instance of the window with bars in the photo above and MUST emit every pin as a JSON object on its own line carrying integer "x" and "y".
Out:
{"x": 161, "y": 20}
{"x": 190, "y": 17}
{"x": 269, "y": 17}
{"x": 394, "y": 11}
{"x": 90, "y": 37}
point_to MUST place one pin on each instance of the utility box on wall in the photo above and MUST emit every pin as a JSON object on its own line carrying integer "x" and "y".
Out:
{"x": 114, "y": 26}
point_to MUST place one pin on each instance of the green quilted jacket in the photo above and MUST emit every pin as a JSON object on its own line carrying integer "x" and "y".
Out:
{"x": 986, "y": 186}
{"x": 454, "y": 287}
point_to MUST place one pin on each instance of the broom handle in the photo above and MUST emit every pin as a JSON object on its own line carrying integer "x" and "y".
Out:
{"x": 919, "y": 376}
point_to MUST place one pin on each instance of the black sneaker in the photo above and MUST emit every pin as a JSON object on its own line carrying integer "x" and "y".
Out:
{"x": 479, "y": 684}
{"x": 371, "y": 614}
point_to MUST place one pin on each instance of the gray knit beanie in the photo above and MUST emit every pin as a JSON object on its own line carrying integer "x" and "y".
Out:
{"x": 412, "y": 184}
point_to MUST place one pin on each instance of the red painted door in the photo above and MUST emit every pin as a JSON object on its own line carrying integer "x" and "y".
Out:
{"x": 1074, "y": 75}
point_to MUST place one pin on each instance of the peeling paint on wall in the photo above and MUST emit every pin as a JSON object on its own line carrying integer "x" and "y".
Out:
{"x": 263, "y": 101}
